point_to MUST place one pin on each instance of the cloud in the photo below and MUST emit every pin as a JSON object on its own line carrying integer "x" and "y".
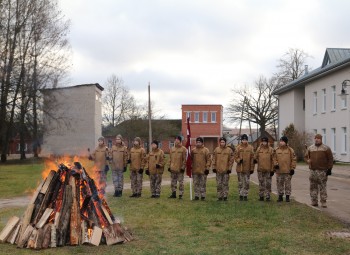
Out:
{"x": 196, "y": 51}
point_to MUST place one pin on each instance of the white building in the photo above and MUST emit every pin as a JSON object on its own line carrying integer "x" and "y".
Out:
{"x": 313, "y": 102}
{"x": 72, "y": 119}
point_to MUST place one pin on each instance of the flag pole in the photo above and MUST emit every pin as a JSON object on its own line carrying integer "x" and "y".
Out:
{"x": 189, "y": 158}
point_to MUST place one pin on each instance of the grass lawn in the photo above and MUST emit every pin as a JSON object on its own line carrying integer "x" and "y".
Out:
{"x": 20, "y": 178}
{"x": 173, "y": 226}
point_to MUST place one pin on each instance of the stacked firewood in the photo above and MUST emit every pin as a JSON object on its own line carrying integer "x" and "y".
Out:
{"x": 65, "y": 210}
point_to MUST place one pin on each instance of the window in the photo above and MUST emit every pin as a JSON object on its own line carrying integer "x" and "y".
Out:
{"x": 334, "y": 97}
{"x": 324, "y": 100}
{"x": 344, "y": 146}
{"x": 188, "y": 115}
{"x": 19, "y": 147}
{"x": 171, "y": 145}
{"x": 196, "y": 117}
{"x": 205, "y": 117}
{"x": 344, "y": 102}
{"x": 315, "y": 131}
{"x": 333, "y": 137}
{"x": 324, "y": 136}
{"x": 213, "y": 117}
{"x": 315, "y": 102}
{"x": 160, "y": 145}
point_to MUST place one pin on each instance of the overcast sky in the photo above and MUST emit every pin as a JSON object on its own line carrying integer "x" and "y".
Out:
{"x": 196, "y": 51}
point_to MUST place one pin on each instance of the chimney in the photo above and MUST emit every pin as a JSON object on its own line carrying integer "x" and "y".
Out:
{"x": 306, "y": 71}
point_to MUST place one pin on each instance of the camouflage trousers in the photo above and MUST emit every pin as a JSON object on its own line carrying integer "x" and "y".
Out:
{"x": 243, "y": 183}
{"x": 155, "y": 183}
{"x": 200, "y": 185}
{"x": 101, "y": 182}
{"x": 318, "y": 183}
{"x": 222, "y": 181}
{"x": 136, "y": 182}
{"x": 177, "y": 177}
{"x": 118, "y": 179}
{"x": 284, "y": 184}
{"x": 264, "y": 184}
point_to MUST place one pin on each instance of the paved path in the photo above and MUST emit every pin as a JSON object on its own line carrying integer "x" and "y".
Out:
{"x": 338, "y": 187}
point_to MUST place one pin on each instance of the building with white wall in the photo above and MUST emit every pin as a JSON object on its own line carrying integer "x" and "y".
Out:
{"x": 72, "y": 119}
{"x": 314, "y": 105}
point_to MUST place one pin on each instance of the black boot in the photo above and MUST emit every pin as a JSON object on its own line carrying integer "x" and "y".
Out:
{"x": 287, "y": 198}
{"x": 268, "y": 198}
{"x": 225, "y": 198}
{"x": 196, "y": 198}
{"x": 280, "y": 198}
{"x": 116, "y": 193}
{"x": 138, "y": 195}
{"x": 220, "y": 199}
{"x": 261, "y": 199}
{"x": 180, "y": 196}
{"x": 245, "y": 198}
{"x": 240, "y": 198}
{"x": 173, "y": 195}
{"x": 133, "y": 195}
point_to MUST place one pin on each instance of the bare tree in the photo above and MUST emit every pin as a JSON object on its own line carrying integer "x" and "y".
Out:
{"x": 118, "y": 103}
{"x": 291, "y": 66}
{"x": 256, "y": 104}
{"x": 297, "y": 140}
{"x": 33, "y": 53}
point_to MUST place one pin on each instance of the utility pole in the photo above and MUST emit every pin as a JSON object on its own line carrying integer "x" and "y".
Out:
{"x": 149, "y": 118}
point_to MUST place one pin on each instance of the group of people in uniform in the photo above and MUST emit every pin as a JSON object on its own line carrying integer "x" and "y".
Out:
{"x": 265, "y": 159}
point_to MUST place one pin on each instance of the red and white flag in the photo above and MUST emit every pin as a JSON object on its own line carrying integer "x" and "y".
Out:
{"x": 188, "y": 147}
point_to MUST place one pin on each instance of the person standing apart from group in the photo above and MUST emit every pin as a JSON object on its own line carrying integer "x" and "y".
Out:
{"x": 320, "y": 160}
{"x": 264, "y": 158}
{"x": 177, "y": 165}
{"x": 222, "y": 165}
{"x": 101, "y": 157}
{"x": 155, "y": 168}
{"x": 118, "y": 158}
{"x": 137, "y": 157}
{"x": 244, "y": 156}
{"x": 284, "y": 165}
{"x": 201, "y": 161}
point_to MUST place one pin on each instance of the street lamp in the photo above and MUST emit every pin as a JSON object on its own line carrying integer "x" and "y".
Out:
{"x": 343, "y": 92}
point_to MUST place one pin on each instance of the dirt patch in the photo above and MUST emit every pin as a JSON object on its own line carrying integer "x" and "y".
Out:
{"x": 339, "y": 234}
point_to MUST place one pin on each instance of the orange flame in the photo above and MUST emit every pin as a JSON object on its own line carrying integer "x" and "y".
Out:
{"x": 89, "y": 232}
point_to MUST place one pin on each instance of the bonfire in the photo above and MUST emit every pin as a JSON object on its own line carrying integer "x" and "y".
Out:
{"x": 66, "y": 209}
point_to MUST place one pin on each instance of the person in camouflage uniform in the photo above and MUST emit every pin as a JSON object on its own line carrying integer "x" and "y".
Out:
{"x": 222, "y": 165}
{"x": 177, "y": 165}
{"x": 155, "y": 168}
{"x": 244, "y": 156}
{"x": 101, "y": 158}
{"x": 320, "y": 159}
{"x": 264, "y": 158}
{"x": 201, "y": 161}
{"x": 119, "y": 158}
{"x": 284, "y": 165}
{"x": 136, "y": 160}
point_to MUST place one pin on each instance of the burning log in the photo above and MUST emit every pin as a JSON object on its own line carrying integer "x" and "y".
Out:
{"x": 65, "y": 216}
{"x": 65, "y": 209}
{"x": 75, "y": 214}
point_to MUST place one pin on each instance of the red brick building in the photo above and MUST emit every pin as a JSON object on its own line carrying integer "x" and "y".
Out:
{"x": 206, "y": 121}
